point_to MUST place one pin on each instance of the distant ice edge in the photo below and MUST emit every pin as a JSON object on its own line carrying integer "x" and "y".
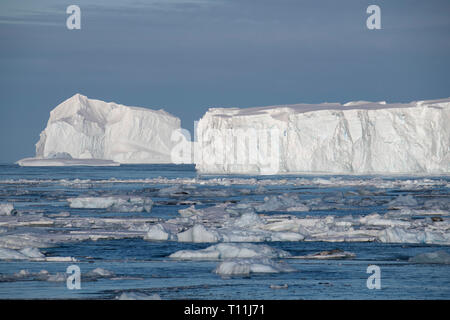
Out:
{"x": 354, "y": 138}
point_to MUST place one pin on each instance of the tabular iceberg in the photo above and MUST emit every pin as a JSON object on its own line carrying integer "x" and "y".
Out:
{"x": 356, "y": 137}
{"x": 83, "y": 128}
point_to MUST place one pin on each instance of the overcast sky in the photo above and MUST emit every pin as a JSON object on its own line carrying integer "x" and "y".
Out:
{"x": 188, "y": 55}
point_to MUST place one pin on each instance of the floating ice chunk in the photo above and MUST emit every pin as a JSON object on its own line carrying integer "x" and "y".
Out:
{"x": 57, "y": 277}
{"x": 287, "y": 236}
{"x": 248, "y": 266}
{"x": 32, "y": 253}
{"x": 403, "y": 201}
{"x": 402, "y": 235}
{"x": 138, "y": 296}
{"x": 157, "y": 232}
{"x": 7, "y": 209}
{"x": 60, "y": 259}
{"x": 285, "y": 202}
{"x": 230, "y": 250}
{"x": 248, "y": 220}
{"x": 441, "y": 257}
{"x": 175, "y": 190}
{"x": 331, "y": 254}
{"x": 361, "y": 137}
{"x": 123, "y": 204}
{"x": 277, "y": 286}
{"x": 55, "y": 162}
{"x": 376, "y": 220}
{"x": 10, "y": 254}
{"x": 244, "y": 235}
{"x": 198, "y": 233}
{"x": 188, "y": 212}
{"x": 100, "y": 272}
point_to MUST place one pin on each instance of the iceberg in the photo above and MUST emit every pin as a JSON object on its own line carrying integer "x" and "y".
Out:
{"x": 81, "y": 128}
{"x": 351, "y": 138}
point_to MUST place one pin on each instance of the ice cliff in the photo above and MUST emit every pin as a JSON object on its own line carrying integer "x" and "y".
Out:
{"x": 356, "y": 137}
{"x": 83, "y": 128}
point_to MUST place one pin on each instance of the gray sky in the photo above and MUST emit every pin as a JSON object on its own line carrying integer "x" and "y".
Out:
{"x": 188, "y": 55}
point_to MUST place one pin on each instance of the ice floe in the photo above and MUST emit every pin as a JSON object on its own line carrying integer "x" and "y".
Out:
{"x": 328, "y": 255}
{"x": 230, "y": 250}
{"x": 244, "y": 267}
{"x": 137, "y": 296}
{"x": 7, "y": 209}
{"x": 122, "y": 204}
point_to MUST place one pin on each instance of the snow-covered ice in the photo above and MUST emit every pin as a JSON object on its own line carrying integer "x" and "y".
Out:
{"x": 363, "y": 137}
{"x": 244, "y": 267}
{"x": 230, "y": 250}
{"x": 92, "y": 129}
{"x": 137, "y": 296}
{"x": 123, "y": 204}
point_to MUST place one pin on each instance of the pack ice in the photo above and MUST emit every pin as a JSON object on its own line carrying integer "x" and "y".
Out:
{"x": 357, "y": 137}
{"x": 82, "y": 128}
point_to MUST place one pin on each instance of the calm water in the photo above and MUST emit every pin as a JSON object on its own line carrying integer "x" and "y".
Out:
{"x": 143, "y": 266}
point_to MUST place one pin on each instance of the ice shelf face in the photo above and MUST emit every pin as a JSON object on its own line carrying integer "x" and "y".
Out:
{"x": 357, "y": 137}
{"x": 92, "y": 129}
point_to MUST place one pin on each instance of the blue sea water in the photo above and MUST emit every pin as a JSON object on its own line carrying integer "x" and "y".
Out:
{"x": 142, "y": 266}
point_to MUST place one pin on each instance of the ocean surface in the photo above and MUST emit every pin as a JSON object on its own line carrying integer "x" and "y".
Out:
{"x": 132, "y": 265}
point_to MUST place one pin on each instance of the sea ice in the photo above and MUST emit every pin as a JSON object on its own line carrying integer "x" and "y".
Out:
{"x": 138, "y": 296}
{"x": 244, "y": 267}
{"x": 230, "y": 250}
{"x": 7, "y": 209}
{"x": 441, "y": 257}
{"x": 123, "y": 204}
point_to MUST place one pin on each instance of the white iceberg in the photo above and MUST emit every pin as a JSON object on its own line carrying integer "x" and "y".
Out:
{"x": 361, "y": 138}
{"x": 82, "y": 128}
